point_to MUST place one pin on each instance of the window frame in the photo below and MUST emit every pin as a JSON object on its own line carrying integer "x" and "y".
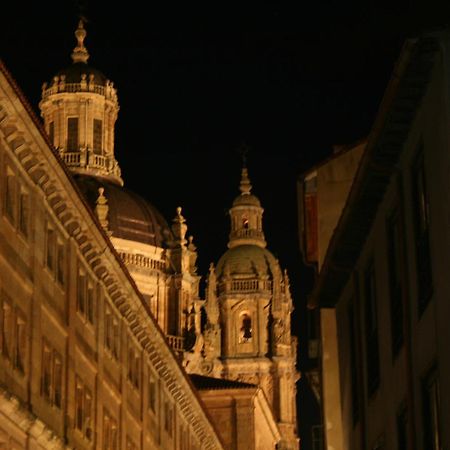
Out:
{"x": 73, "y": 138}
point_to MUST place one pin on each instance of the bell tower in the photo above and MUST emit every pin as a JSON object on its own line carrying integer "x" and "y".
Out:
{"x": 80, "y": 108}
{"x": 249, "y": 301}
{"x": 246, "y": 217}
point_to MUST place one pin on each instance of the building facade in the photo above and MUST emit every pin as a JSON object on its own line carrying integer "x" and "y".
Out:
{"x": 382, "y": 291}
{"x": 100, "y": 329}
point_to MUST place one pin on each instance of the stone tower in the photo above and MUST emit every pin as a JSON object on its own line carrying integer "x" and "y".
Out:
{"x": 80, "y": 108}
{"x": 249, "y": 307}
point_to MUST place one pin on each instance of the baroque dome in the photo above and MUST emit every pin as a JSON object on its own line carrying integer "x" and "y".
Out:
{"x": 246, "y": 200}
{"x": 74, "y": 74}
{"x": 129, "y": 215}
{"x": 247, "y": 260}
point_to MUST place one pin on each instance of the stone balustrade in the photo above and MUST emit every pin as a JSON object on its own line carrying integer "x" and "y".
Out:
{"x": 176, "y": 342}
{"x": 107, "y": 91}
{"x": 251, "y": 285}
{"x": 139, "y": 260}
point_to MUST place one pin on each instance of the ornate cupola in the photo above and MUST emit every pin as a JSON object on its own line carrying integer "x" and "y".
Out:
{"x": 79, "y": 107}
{"x": 246, "y": 217}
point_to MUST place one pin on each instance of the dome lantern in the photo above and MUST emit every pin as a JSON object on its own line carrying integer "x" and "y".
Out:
{"x": 79, "y": 107}
{"x": 246, "y": 216}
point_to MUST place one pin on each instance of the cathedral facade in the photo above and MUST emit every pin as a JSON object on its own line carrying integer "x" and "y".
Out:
{"x": 106, "y": 332}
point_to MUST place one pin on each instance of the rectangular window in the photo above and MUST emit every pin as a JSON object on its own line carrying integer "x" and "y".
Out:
{"x": 112, "y": 333}
{"x": 51, "y": 375}
{"x": 10, "y": 191}
{"x": 60, "y": 261}
{"x": 85, "y": 298}
{"x": 371, "y": 331}
{"x": 51, "y": 132}
{"x": 50, "y": 249}
{"x": 134, "y": 367}
{"x": 431, "y": 411}
{"x": 81, "y": 294}
{"x": 46, "y": 372}
{"x": 110, "y": 432}
{"x": 152, "y": 394}
{"x": 57, "y": 377}
{"x": 396, "y": 283}
{"x": 97, "y": 136}
{"x": 79, "y": 395}
{"x": 353, "y": 364}
{"x": 72, "y": 134}
{"x": 24, "y": 213}
{"x": 168, "y": 418}
{"x": 90, "y": 304}
{"x": 20, "y": 343}
{"x": 7, "y": 329}
{"x": 83, "y": 409}
{"x": 422, "y": 233}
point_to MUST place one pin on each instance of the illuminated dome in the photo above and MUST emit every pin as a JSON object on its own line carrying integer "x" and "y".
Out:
{"x": 129, "y": 215}
{"x": 246, "y": 200}
{"x": 79, "y": 71}
{"x": 247, "y": 261}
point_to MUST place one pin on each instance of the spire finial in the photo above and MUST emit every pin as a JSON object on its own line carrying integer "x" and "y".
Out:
{"x": 245, "y": 186}
{"x": 80, "y": 53}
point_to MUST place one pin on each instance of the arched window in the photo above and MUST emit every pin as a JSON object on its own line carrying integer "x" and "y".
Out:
{"x": 246, "y": 328}
{"x": 245, "y": 222}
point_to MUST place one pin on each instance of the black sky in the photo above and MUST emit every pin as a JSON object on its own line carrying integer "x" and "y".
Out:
{"x": 195, "y": 83}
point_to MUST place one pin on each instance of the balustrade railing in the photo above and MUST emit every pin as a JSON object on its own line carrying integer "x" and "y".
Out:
{"x": 71, "y": 158}
{"x": 141, "y": 261}
{"x": 246, "y": 285}
{"x": 97, "y": 161}
{"x": 176, "y": 342}
{"x": 108, "y": 91}
{"x": 247, "y": 233}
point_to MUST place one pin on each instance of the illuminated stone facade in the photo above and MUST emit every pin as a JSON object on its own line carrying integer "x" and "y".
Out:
{"x": 83, "y": 364}
{"x": 101, "y": 312}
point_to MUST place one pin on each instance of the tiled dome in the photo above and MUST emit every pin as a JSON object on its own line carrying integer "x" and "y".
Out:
{"x": 130, "y": 216}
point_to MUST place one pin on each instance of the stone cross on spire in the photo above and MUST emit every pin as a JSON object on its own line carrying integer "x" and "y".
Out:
{"x": 80, "y": 53}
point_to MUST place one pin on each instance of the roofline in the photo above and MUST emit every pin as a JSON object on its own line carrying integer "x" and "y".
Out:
{"x": 347, "y": 148}
{"x": 25, "y": 103}
{"x": 391, "y": 128}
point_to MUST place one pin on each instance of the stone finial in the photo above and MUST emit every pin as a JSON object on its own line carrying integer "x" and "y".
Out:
{"x": 80, "y": 53}
{"x": 245, "y": 186}
{"x": 191, "y": 246}
{"x": 179, "y": 228}
{"x": 102, "y": 208}
{"x": 192, "y": 255}
{"x": 212, "y": 307}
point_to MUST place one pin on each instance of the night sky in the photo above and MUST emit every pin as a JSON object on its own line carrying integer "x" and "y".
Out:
{"x": 195, "y": 84}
